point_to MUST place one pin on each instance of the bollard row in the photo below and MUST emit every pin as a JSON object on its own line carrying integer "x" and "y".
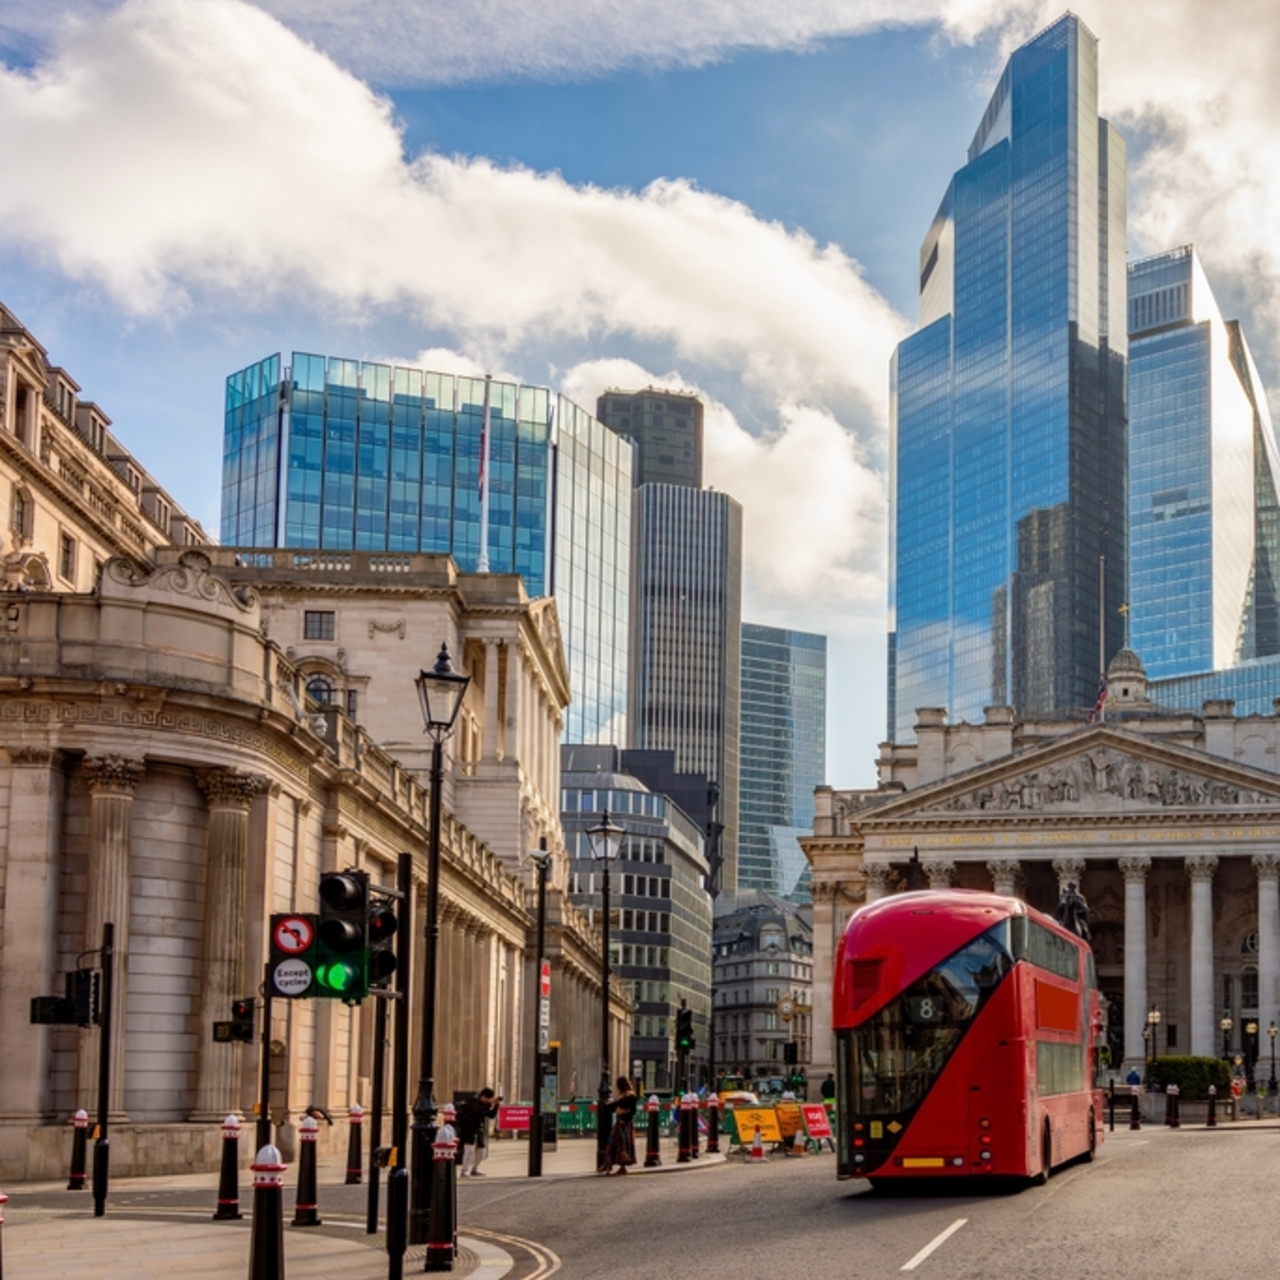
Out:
{"x": 229, "y": 1175}
{"x": 266, "y": 1248}
{"x": 79, "y": 1146}
{"x": 305, "y": 1212}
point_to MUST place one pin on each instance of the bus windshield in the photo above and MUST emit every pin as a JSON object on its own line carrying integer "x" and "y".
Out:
{"x": 899, "y": 1052}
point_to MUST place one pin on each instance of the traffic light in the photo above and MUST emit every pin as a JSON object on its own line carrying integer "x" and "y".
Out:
{"x": 790, "y": 1052}
{"x": 382, "y": 932}
{"x": 342, "y": 948}
{"x": 684, "y": 1030}
{"x": 83, "y": 993}
{"x": 242, "y": 1021}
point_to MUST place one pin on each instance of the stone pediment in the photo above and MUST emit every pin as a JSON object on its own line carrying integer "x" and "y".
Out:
{"x": 1101, "y": 771}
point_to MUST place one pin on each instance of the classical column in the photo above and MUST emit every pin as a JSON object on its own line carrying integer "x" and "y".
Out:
{"x": 111, "y": 781}
{"x": 1068, "y": 870}
{"x": 510, "y": 742}
{"x": 877, "y": 876}
{"x": 28, "y": 941}
{"x": 1267, "y": 865}
{"x": 1004, "y": 876}
{"x": 825, "y": 941}
{"x": 490, "y": 741}
{"x": 939, "y": 871}
{"x": 1200, "y": 868}
{"x": 1135, "y": 871}
{"x": 229, "y": 795}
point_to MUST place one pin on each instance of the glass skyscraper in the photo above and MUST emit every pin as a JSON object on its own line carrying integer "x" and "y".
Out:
{"x": 1203, "y": 466}
{"x": 342, "y": 455}
{"x": 783, "y": 754}
{"x": 1008, "y": 432}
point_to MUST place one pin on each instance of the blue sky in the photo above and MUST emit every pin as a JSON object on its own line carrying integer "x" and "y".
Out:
{"x": 205, "y": 186}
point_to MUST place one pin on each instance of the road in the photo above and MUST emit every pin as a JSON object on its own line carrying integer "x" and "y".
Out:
{"x": 1156, "y": 1205}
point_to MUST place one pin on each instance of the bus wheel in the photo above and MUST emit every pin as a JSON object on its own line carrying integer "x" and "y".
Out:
{"x": 1093, "y": 1136}
{"x": 1046, "y": 1156}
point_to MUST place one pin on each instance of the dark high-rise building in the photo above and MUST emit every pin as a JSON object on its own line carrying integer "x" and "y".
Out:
{"x": 666, "y": 429}
{"x": 687, "y": 639}
{"x": 783, "y": 754}
{"x": 1008, "y": 431}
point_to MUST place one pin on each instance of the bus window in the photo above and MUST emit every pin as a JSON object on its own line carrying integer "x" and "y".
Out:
{"x": 899, "y": 1052}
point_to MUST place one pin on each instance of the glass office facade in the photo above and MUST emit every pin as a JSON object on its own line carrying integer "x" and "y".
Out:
{"x": 1202, "y": 479}
{"x": 660, "y": 910}
{"x": 1008, "y": 431}
{"x": 343, "y": 455}
{"x": 1253, "y": 686}
{"x": 783, "y": 754}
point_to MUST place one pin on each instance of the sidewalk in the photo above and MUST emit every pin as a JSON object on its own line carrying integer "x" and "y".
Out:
{"x": 576, "y": 1158}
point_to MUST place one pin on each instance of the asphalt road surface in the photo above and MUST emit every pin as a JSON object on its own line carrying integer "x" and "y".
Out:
{"x": 1191, "y": 1204}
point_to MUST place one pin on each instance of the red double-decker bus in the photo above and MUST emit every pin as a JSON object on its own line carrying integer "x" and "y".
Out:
{"x": 966, "y": 1027}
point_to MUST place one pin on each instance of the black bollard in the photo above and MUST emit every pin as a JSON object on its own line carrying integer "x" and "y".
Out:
{"x": 229, "y": 1177}
{"x": 266, "y": 1246}
{"x": 684, "y": 1156}
{"x": 695, "y": 1120}
{"x": 304, "y": 1210}
{"x": 1111, "y": 1103}
{"x": 79, "y": 1145}
{"x": 1176, "y": 1122}
{"x": 1212, "y": 1122}
{"x": 355, "y": 1168}
{"x": 1168, "y": 1105}
{"x": 442, "y": 1227}
{"x": 1135, "y": 1114}
{"x": 652, "y": 1149}
{"x": 713, "y": 1125}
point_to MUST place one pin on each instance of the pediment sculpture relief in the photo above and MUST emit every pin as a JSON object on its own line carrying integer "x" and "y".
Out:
{"x": 1105, "y": 778}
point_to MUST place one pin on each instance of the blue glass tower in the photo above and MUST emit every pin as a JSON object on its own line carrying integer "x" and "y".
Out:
{"x": 783, "y": 754}
{"x": 1008, "y": 424}
{"x": 342, "y": 455}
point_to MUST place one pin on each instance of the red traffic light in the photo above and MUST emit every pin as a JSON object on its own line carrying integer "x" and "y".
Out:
{"x": 342, "y": 891}
{"x": 382, "y": 925}
{"x": 241, "y": 1010}
{"x": 341, "y": 936}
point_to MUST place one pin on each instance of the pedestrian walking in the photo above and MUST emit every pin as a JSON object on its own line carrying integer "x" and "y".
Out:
{"x": 473, "y": 1117}
{"x": 828, "y": 1088}
{"x": 621, "y": 1149}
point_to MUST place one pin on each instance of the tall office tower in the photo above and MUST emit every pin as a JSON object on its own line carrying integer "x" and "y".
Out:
{"x": 686, "y": 651}
{"x": 341, "y": 455}
{"x": 1204, "y": 554}
{"x": 1008, "y": 437}
{"x": 783, "y": 754}
{"x": 665, "y": 427}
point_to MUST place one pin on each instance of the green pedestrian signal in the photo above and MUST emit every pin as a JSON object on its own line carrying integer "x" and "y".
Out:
{"x": 342, "y": 949}
{"x": 684, "y": 1029}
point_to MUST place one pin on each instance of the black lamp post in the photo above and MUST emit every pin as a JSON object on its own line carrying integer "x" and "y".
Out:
{"x": 1251, "y": 1050}
{"x": 606, "y": 844}
{"x": 1271, "y": 1031}
{"x": 440, "y": 691}
{"x": 542, "y": 869}
{"x": 1226, "y": 1024}
{"x": 1153, "y": 1021}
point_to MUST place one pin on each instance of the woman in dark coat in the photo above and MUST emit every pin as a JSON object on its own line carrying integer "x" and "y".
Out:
{"x": 621, "y": 1150}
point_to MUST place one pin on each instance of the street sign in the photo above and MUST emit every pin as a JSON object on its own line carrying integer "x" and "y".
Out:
{"x": 291, "y": 979}
{"x": 544, "y": 1012}
{"x": 293, "y": 934}
{"x": 518, "y": 1119}
{"x": 816, "y": 1120}
{"x": 544, "y": 980}
{"x": 544, "y": 1040}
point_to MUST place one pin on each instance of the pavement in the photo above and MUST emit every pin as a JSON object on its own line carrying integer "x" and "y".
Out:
{"x": 159, "y": 1228}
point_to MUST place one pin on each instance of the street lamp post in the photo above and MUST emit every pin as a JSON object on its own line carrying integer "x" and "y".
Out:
{"x": 606, "y": 844}
{"x": 1226, "y": 1024}
{"x": 1251, "y": 1051}
{"x": 440, "y": 691}
{"x": 542, "y": 869}
{"x": 1153, "y": 1021}
{"x": 1271, "y": 1031}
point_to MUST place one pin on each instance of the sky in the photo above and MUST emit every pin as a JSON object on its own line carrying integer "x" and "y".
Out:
{"x": 727, "y": 196}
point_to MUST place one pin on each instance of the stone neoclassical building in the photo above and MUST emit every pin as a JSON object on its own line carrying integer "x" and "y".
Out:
{"x": 163, "y": 767}
{"x": 1169, "y": 820}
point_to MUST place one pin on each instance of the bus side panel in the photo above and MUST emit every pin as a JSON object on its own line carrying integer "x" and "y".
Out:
{"x": 998, "y": 1095}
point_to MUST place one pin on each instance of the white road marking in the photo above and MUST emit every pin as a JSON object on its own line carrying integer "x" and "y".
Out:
{"x": 940, "y": 1239}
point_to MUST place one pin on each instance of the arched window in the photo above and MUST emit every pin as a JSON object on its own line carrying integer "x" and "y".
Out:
{"x": 320, "y": 689}
{"x": 21, "y": 513}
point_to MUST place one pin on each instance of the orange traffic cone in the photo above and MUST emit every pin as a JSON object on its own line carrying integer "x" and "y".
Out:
{"x": 797, "y": 1144}
{"x": 757, "y": 1148}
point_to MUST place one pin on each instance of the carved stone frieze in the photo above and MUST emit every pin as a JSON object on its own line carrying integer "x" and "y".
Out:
{"x": 1105, "y": 778}
{"x": 192, "y": 576}
{"x": 396, "y": 628}
{"x": 49, "y": 757}
{"x": 114, "y": 774}
{"x": 230, "y": 788}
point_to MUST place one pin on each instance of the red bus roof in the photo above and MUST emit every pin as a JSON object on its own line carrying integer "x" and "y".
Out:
{"x": 889, "y": 944}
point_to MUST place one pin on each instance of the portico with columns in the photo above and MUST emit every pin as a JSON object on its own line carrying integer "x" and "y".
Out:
{"x": 1168, "y": 822}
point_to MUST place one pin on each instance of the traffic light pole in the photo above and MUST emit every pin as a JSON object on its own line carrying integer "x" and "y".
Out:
{"x": 376, "y": 1103}
{"x": 398, "y": 1178}
{"x": 262, "y": 1130}
{"x": 101, "y": 1143}
{"x": 543, "y": 865}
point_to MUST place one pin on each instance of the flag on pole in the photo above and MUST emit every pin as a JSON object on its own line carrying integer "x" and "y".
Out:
{"x": 1101, "y": 701}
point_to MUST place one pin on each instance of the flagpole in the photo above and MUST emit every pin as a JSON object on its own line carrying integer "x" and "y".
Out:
{"x": 482, "y": 564}
{"x": 1102, "y": 634}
